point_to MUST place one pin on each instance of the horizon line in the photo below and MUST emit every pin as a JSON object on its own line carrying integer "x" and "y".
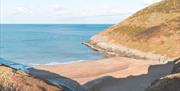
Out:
{"x": 60, "y": 23}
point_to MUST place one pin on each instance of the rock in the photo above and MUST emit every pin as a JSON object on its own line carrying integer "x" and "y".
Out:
{"x": 176, "y": 68}
{"x": 168, "y": 83}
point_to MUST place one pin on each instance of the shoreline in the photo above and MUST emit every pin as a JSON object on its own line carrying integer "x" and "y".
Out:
{"x": 120, "y": 62}
{"x": 70, "y": 62}
{"x": 100, "y": 43}
{"x": 58, "y": 63}
{"x": 119, "y": 67}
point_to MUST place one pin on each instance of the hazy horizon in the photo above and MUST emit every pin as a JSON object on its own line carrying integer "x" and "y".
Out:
{"x": 68, "y": 11}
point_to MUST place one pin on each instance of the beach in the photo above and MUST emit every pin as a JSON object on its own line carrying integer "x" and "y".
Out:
{"x": 118, "y": 67}
{"x": 90, "y": 45}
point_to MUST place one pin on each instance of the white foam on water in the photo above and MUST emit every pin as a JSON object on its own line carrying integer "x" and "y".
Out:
{"x": 56, "y": 63}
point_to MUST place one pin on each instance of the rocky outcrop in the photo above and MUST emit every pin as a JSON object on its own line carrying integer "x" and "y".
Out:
{"x": 176, "y": 68}
{"x": 168, "y": 83}
{"x": 119, "y": 50}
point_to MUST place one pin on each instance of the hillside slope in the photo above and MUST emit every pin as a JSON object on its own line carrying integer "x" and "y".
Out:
{"x": 155, "y": 29}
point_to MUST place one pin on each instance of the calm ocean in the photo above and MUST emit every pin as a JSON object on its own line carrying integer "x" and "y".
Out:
{"x": 32, "y": 44}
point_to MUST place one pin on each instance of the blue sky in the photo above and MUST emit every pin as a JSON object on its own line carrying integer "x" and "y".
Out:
{"x": 69, "y": 11}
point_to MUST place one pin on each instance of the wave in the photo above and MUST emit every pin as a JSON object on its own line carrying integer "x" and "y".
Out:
{"x": 56, "y": 63}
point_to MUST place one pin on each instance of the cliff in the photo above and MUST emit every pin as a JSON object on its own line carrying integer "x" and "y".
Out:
{"x": 152, "y": 33}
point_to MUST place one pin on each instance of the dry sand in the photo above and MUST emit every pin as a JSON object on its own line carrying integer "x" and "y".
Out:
{"x": 112, "y": 74}
{"x": 118, "y": 67}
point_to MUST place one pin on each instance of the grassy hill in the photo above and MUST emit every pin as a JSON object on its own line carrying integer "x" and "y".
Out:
{"x": 155, "y": 29}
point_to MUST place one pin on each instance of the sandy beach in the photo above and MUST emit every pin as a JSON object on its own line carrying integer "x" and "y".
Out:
{"x": 118, "y": 67}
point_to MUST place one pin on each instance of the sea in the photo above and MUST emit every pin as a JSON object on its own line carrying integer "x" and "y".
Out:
{"x": 48, "y": 44}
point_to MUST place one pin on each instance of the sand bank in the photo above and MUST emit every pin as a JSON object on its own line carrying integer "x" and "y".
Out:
{"x": 118, "y": 67}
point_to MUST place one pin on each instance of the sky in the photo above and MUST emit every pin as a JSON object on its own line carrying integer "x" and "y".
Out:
{"x": 69, "y": 11}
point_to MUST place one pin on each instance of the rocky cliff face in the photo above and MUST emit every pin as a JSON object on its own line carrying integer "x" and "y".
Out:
{"x": 14, "y": 80}
{"x": 168, "y": 83}
{"x": 153, "y": 30}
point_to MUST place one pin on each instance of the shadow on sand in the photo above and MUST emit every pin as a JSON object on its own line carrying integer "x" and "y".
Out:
{"x": 55, "y": 79}
{"x": 131, "y": 83}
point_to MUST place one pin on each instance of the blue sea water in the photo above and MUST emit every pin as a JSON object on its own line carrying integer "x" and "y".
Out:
{"x": 32, "y": 44}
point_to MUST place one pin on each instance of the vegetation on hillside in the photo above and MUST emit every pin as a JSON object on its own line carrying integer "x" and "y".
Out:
{"x": 154, "y": 29}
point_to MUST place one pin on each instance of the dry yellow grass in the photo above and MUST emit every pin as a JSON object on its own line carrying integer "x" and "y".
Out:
{"x": 154, "y": 29}
{"x": 12, "y": 80}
